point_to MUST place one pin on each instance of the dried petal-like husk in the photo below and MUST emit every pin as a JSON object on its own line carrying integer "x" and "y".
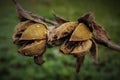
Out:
{"x": 82, "y": 48}
{"x": 19, "y": 30}
{"x": 94, "y": 51}
{"x": 65, "y": 29}
{"x": 67, "y": 47}
{"x": 81, "y": 33}
{"x": 34, "y": 32}
{"x": 33, "y": 49}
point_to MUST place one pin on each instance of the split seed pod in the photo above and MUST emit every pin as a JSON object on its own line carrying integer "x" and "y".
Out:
{"x": 32, "y": 40}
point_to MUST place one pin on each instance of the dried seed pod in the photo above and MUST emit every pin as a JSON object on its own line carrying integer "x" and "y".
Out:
{"x": 31, "y": 37}
{"x": 81, "y": 33}
{"x": 82, "y": 48}
{"x": 65, "y": 29}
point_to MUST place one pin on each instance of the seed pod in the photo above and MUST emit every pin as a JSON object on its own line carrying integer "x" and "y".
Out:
{"x": 81, "y": 33}
{"x": 31, "y": 37}
{"x": 82, "y": 48}
{"x": 65, "y": 29}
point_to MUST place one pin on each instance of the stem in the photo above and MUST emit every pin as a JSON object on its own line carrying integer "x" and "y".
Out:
{"x": 113, "y": 46}
{"x": 48, "y": 21}
{"x": 24, "y": 15}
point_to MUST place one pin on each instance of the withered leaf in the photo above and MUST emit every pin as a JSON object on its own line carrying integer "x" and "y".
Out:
{"x": 94, "y": 51}
{"x": 100, "y": 35}
{"x": 87, "y": 19}
{"x": 24, "y": 15}
{"x": 81, "y": 33}
{"x": 59, "y": 19}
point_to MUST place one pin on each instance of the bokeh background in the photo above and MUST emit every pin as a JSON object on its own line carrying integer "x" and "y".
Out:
{"x": 14, "y": 66}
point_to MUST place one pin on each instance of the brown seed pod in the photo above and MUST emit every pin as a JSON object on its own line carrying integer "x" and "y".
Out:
{"x": 31, "y": 37}
{"x": 81, "y": 33}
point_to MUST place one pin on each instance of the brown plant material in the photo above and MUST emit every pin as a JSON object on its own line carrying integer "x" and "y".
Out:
{"x": 79, "y": 62}
{"x": 65, "y": 29}
{"x": 94, "y": 51}
{"x": 33, "y": 36}
{"x": 59, "y": 19}
{"x": 82, "y": 48}
{"x": 81, "y": 33}
{"x": 38, "y": 60}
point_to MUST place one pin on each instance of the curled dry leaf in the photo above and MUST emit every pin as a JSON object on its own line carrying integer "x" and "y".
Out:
{"x": 59, "y": 19}
{"x": 24, "y": 15}
{"x": 94, "y": 51}
{"x": 100, "y": 35}
{"x": 87, "y": 19}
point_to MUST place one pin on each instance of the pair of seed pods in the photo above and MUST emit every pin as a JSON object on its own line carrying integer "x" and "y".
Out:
{"x": 33, "y": 36}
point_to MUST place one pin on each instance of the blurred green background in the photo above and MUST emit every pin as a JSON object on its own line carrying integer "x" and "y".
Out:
{"x": 14, "y": 66}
